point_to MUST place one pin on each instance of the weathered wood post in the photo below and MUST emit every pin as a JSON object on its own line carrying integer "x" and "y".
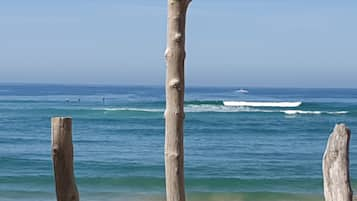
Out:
{"x": 62, "y": 155}
{"x": 336, "y": 165}
{"x": 175, "y": 89}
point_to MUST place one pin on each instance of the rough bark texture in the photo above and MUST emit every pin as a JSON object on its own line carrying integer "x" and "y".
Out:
{"x": 175, "y": 89}
{"x": 62, "y": 155}
{"x": 336, "y": 166}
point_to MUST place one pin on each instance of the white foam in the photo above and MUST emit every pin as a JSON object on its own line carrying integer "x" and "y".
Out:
{"x": 192, "y": 108}
{"x": 295, "y": 112}
{"x": 220, "y": 108}
{"x": 244, "y": 91}
{"x": 338, "y": 112}
{"x": 131, "y": 109}
{"x": 262, "y": 104}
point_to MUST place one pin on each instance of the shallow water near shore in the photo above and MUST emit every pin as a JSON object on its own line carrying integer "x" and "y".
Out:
{"x": 231, "y": 153}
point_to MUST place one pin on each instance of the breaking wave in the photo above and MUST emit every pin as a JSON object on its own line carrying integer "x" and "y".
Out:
{"x": 192, "y": 108}
{"x": 295, "y": 112}
{"x": 221, "y": 108}
{"x": 261, "y": 104}
{"x": 131, "y": 109}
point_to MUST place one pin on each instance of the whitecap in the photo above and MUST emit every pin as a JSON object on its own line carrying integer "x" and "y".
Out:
{"x": 131, "y": 109}
{"x": 262, "y": 104}
{"x": 295, "y": 112}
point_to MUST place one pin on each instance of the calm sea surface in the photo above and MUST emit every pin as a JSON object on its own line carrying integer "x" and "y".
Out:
{"x": 231, "y": 153}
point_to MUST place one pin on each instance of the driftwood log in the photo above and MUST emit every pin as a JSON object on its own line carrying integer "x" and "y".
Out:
{"x": 62, "y": 155}
{"x": 175, "y": 90}
{"x": 335, "y": 166}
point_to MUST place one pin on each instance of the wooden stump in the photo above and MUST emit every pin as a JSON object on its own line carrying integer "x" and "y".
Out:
{"x": 62, "y": 155}
{"x": 336, "y": 165}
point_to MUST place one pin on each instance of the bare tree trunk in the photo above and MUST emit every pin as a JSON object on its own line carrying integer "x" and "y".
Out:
{"x": 175, "y": 89}
{"x": 336, "y": 165}
{"x": 62, "y": 155}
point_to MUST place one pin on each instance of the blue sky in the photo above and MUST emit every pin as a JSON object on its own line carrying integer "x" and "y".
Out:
{"x": 273, "y": 43}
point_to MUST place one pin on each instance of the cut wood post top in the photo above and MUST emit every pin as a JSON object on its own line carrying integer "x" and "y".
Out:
{"x": 62, "y": 156}
{"x": 61, "y": 132}
{"x": 342, "y": 129}
{"x": 338, "y": 143}
{"x": 61, "y": 119}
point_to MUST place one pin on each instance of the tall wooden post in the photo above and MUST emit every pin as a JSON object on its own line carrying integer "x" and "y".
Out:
{"x": 175, "y": 89}
{"x": 62, "y": 155}
{"x": 335, "y": 166}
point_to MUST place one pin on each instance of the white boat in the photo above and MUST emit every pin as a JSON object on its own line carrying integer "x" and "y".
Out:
{"x": 261, "y": 104}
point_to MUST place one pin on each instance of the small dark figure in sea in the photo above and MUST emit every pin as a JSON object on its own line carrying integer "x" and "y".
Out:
{"x": 79, "y": 100}
{"x": 103, "y": 99}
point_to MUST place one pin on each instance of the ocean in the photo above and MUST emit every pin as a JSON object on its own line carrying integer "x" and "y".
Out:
{"x": 243, "y": 153}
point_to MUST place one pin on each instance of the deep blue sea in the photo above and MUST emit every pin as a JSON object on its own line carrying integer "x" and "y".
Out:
{"x": 240, "y": 153}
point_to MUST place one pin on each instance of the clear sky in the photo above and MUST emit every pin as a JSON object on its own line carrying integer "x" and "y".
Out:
{"x": 275, "y": 43}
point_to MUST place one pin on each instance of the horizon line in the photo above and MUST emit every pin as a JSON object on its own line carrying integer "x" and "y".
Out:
{"x": 156, "y": 85}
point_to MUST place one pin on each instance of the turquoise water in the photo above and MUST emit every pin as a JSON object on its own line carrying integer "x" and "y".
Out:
{"x": 231, "y": 153}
